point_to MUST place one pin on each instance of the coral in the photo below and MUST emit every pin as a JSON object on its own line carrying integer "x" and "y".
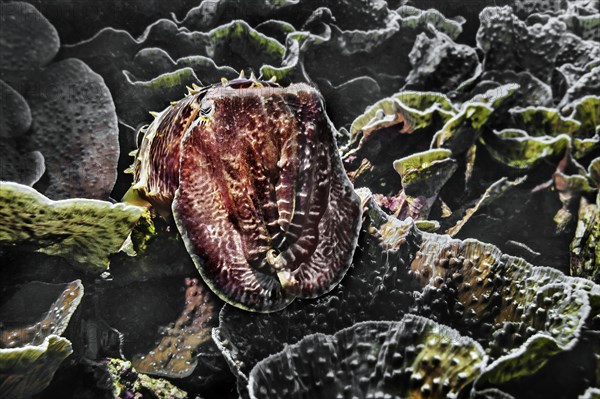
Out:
{"x": 25, "y": 168}
{"x": 63, "y": 110}
{"x": 585, "y": 247}
{"x": 372, "y": 290}
{"x": 423, "y": 175}
{"x": 37, "y": 40}
{"x": 532, "y": 91}
{"x": 151, "y": 62}
{"x": 527, "y": 314}
{"x": 590, "y": 393}
{"x": 439, "y": 63}
{"x": 137, "y": 97}
{"x": 175, "y": 355}
{"x": 577, "y": 52}
{"x": 15, "y": 115}
{"x": 127, "y": 382}
{"x": 412, "y": 109}
{"x": 19, "y": 310}
{"x": 75, "y": 126}
{"x": 584, "y": 26}
{"x": 586, "y": 85}
{"x": 31, "y": 353}
{"x": 495, "y": 191}
{"x": 527, "y": 7}
{"x": 163, "y": 324}
{"x": 541, "y": 121}
{"x": 517, "y": 149}
{"x": 459, "y": 133}
{"x": 412, "y": 357}
{"x": 371, "y": 14}
{"x": 28, "y": 370}
{"x": 338, "y": 48}
{"x": 510, "y": 44}
{"x": 386, "y": 130}
{"x": 112, "y": 51}
{"x": 83, "y": 231}
{"x": 586, "y": 110}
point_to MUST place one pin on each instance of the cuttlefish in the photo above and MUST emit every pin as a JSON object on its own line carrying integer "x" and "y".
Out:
{"x": 253, "y": 177}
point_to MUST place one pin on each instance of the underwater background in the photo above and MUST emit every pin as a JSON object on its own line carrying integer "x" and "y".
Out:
{"x": 470, "y": 131}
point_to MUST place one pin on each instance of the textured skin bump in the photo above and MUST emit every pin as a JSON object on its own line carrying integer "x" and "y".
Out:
{"x": 262, "y": 200}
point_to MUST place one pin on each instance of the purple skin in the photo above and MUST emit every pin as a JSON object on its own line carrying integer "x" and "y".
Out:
{"x": 257, "y": 189}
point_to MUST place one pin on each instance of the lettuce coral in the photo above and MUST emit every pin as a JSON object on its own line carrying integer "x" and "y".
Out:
{"x": 83, "y": 231}
{"x": 31, "y": 354}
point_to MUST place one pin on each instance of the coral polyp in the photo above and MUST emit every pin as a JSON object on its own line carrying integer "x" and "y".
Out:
{"x": 257, "y": 189}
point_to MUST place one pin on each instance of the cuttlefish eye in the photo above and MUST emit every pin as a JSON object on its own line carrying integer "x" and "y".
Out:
{"x": 207, "y": 109}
